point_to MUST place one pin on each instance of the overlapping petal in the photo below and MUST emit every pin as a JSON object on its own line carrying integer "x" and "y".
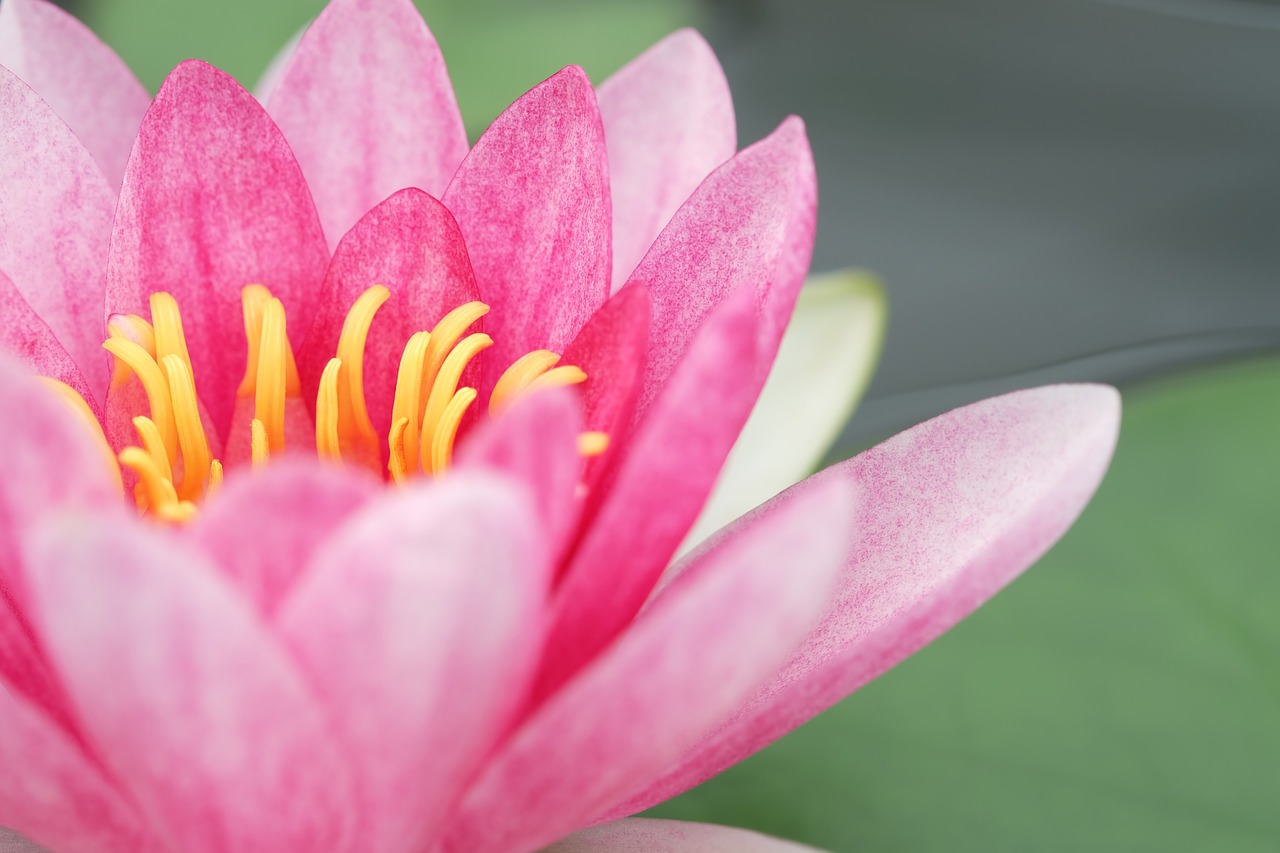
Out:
{"x": 645, "y": 835}
{"x": 25, "y": 336}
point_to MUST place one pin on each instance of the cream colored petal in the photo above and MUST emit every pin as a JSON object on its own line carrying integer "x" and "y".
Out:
{"x": 827, "y": 357}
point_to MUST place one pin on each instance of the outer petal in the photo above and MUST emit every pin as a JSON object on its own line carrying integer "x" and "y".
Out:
{"x": 750, "y": 224}
{"x": 679, "y": 669}
{"x": 668, "y": 121}
{"x": 25, "y": 336}
{"x": 645, "y": 835}
{"x": 532, "y": 199}
{"x": 367, "y": 106}
{"x": 213, "y": 200}
{"x": 182, "y": 692}
{"x": 955, "y": 508}
{"x": 824, "y": 364}
{"x": 56, "y": 208}
{"x": 82, "y": 79}
{"x": 419, "y": 624}
{"x": 263, "y": 530}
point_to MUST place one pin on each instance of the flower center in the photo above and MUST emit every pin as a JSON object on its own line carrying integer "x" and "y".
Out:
{"x": 172, "y": 460}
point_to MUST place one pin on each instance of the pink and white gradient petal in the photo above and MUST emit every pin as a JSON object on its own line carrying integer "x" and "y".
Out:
{"x": 646, "y": 835}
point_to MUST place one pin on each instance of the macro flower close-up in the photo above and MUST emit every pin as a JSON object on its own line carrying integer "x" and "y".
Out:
{"x": 359, "y": 479}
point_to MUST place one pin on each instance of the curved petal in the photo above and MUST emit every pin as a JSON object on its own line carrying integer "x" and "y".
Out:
{"x": 750, "y": 224}
{"x": 824, "y": 364}
{"x": 411, "y": 244}
{"x": 213, "y": 200}
{"x": 419, "y": 624}
{"x": 85, "y": 82}
{"x": 668, "y": 121}
{"x": 532, "y": 199}
{"x": 26, "y": 337}
{"x": 953, "y": 510}
{"x": 646, "y": 835}
{"x": 57, "y": 211}
{"x": 682, "y": 666}
{"x": 366, "y": 103}
{"x": 189, "y": 701}
{"x": 263, "y": 530}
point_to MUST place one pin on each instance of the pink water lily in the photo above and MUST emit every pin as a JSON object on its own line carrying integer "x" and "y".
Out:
{"x": 254, "y": 599}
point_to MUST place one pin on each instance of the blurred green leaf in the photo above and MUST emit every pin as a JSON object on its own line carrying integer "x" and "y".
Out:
{"x": 1123, "y": 695}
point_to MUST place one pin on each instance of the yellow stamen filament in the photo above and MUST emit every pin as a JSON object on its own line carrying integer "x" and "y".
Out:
{"x": 327, "y": 444}
{"x": 446, "y": 385}
{"x": 396, "y": 440}
{"x": 153, "y": 383}
{"x": 516, "y": 377}
{"x": 355, "y": 332}
{"x": 408, "y": 400}
{"x": 154, "y": 445}
{"x": 157, "y": 488}
{"x": 167, "y": 322}
{"x": 592, "y": 443}
{"x": 131, "y": 327}
{"x": 260, "y": 451}
{"x": 254, "y": 300}
{"x": 558, "y": 377}
{"x": 85, "y": 415}
{"x": 445, "y": 335}
{"x": 196, "y": 457}
{"x": 215, "y": 478}
{"x": 446, "y": 431}
{"x": 269, "y": 393}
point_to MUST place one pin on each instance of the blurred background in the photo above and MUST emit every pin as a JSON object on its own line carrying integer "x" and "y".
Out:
{"x": 1058, "y": 190}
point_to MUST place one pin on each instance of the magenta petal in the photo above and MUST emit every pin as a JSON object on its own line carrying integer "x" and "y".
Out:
{"x": 653, "y": 496}
{"x": 952, "y": 510}
{"x": 684, "y": 665}
{"x": 80, "y": 77}
{"x": 57, "y": 211}
{"x": 183, "y": 693}
{"x": 750, "y": 224}
{"x": 411, "y": 244}
{"x": 668, "y": 121}
{"x": 366, "y": 103}
{"x": 532, "y": 199}
{"x": 26, "y": 337}
{"x": 645, "y": 835}
{"x": 419, "y": 624}
{"x": 263, "y": 530}
{"x": 213, "y": 200}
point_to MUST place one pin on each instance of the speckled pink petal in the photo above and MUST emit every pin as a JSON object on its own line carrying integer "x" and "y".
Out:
{"x": 532, "y": 199}
{"x": 668, "y": 121}
{"x": 80, "y": 77}
{"x": 951, "y": 511}
{"x": 420, "y": 623}
{"x": 187, "y": 698}
{"x": 654, "y": 493}
{"x": 366, "y": 103}
{"x": 213, "y": 200}
{"x": 52, "y": 793}
{"x": 750, "y": 224}
{"x": 645, "y": 835}
{"x": 26, "y": 337}
{"x": 411, "y": 244}
{"x": 679, "y": 669}
{"x": 263, "y": 529}
{"x": 57, "y": 211}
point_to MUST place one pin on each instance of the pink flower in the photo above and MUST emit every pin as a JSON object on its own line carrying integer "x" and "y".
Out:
{"x": 302, "y": 658}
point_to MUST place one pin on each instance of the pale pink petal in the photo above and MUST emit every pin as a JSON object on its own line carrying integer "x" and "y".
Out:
{"x": 57, "y": 211}
{"x": 952, "y": 510}
{"x": 367, "y": 106}
{"x": 668, "y": 121}
{"x": 644, "y": 507}
{"x": 52, "y": 793}
{"x": 262, "y": 530}
{"x": 411, "y": 244}
{"x": 213, "y": 200}
{"x": 80, "y": 77}
{"x": 420, "y": 624}
{"x": 26, "y": 337}
{"x": 532, "y": 199}
{"x": 189, "y": 701}
{"x": 646, "y": 835}
{"x": 750, "y": 224}
{"x": 679, "y": 669}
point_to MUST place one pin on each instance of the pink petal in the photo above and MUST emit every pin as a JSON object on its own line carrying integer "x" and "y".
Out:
{"x": 213, "y": 200}
{"x": 87, "y": 85}
{"x": 27, "y": 338}
{"x": 750, "y": 223}
{"x": 263, "y": 530}
{"x": 954, "y": 509}
{"x": 532, "y": 199}
{"x": 411, "y": 244}
{"x": 653, "y": 496}
{"x": 366, "y": 103}
{"x": 57, "y": 211}
{"x": 668, "y": 121}
{"x": 645, "y": 835}
{"x": 54, "y": 794}
{"x": 187, "y": 698}
{"x": 419, "y": 623}
{"x": 679, "y": 669}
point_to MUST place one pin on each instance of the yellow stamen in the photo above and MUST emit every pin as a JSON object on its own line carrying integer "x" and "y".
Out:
{"x": 177, "y": 513}
{"x": 592, "y": 443}
{"x": 131, "y": 327}
{"x": 253, "y": 300}
{"x": 269, "y": 393}
{"x": 196, "y": 457}
{"x": 559, "y": 377}
{"x": 153, "y": 444}
{"x": 353, "y": 412}
{"x": 157, "y": 488}
{"x": 445, "y": 386}
{"x": 153, "y": 383}
{"x": 76, "y": 403}
{"x": 445, "y": 336}
{"x": 327, "y": 444}
{"x": 215, "y": 479}
{"x": 396, "y": 440}
{"x": 446, "y": 431}
{"x": 259, "y": 449}
{"x": 408, "y": 400}
{"x": 167, "y": 321}
{"x": 516, "y": 377}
